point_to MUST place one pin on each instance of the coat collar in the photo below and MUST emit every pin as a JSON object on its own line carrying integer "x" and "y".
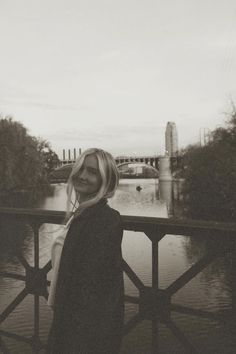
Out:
{"x": 88, "y": 212}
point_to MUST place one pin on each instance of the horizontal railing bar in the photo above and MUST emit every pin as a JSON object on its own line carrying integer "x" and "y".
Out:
{"x": 44, "y": 216}
{"x": 135, "y": 223}
{"x": 180, "y": 227}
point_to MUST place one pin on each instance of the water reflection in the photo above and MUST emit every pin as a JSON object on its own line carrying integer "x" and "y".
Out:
{"x": 130, "y": 201}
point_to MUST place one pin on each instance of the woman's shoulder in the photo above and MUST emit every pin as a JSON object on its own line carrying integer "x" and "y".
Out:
{"x": 99, "y": 214}
{"x": 108, "y": 224}
{"x": 110, "y": 214}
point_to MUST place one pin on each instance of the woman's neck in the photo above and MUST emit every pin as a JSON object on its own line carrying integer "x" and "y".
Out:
{"x": 85, "y": 197}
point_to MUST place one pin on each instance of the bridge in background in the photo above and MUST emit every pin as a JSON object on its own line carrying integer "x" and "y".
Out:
{"x": 71, "y": 156}
{"x": 152, "y": 160}
{"x": 165, "y": 166}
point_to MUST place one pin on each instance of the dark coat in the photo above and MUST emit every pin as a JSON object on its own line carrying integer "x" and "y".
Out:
{"x": 89, "y": 301}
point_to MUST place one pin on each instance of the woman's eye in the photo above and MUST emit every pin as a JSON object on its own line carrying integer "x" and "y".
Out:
{"x": 93, "y": 172}
{"x": 75, "y": 178}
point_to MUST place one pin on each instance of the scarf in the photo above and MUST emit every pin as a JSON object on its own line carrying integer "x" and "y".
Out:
{"x": 56, "y": 251}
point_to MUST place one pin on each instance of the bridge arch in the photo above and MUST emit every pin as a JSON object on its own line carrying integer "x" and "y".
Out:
{"x": 137, "y": 170}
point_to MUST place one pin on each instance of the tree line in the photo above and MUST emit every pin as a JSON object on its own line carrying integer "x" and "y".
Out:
{"x": 25, "y": 161}
{"x": 210, "y": 175}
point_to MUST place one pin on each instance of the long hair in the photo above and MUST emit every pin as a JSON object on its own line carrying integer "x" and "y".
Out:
{"x": 109, "y": 180}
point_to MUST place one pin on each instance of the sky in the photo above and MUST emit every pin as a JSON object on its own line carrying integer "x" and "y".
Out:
{"x": 112, "y": 73}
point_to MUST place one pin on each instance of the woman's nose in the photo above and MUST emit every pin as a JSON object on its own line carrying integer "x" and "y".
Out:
{"x": 83, "y": 174}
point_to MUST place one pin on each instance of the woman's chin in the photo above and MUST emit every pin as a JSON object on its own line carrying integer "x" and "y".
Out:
{"x": 82, "y": 190}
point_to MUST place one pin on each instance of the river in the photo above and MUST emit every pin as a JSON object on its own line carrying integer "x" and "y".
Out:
{"x": 210, "y": 290}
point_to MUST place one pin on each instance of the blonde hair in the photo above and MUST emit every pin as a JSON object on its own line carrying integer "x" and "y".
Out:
{"x": 109, "y": 180}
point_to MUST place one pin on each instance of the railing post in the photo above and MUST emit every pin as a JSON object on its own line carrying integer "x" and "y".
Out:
{"x": 36, "y": 339}
{"x": 36, "y": 245}
{"x": 234, "y": 291}
{"x": 155, "y": 260}
{"x": 155, "y": 284}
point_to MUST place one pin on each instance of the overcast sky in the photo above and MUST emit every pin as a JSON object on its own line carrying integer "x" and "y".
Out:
{"x": 112, "y": 73}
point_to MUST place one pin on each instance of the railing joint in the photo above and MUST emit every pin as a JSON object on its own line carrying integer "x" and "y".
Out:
{"x": 154, "y": 304}
{"x": 36, "y": 281}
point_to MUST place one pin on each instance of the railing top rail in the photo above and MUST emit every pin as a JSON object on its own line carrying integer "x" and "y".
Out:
{"x": 40, "y": 215}
{"x": 135, "y": 223}
{"x": 173, "y": 225}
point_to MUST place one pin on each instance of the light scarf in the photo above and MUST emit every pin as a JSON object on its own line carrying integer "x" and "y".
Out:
{"x": 56, "y": 251}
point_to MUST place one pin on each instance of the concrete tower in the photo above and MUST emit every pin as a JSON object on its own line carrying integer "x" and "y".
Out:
{"x": 171, "y": 139}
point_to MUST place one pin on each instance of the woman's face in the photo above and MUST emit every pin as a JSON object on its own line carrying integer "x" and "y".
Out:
{"x": 88, "y": 180}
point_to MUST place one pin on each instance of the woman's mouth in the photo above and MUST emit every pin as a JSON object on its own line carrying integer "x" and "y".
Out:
{"x": 82, "y": 182}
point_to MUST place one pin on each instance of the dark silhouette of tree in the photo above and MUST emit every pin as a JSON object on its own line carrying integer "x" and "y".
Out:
{"x": 25, "y": 161}
{"x": 210, "y": 175}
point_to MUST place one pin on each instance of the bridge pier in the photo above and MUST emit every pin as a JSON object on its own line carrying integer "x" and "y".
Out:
{"x": 165, "y": 169}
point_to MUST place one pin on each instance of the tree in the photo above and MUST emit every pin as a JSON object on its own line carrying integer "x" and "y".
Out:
{"x": 50, "y": 158}
{"x": 23, "y": 158}
{"x": 210, "y": 175}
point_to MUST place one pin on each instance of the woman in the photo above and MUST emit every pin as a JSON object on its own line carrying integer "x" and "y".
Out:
{"x": 89, "y": 298}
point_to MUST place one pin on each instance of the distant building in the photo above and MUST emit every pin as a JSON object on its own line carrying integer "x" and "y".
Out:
{"x": 171, "y": 139}
{"x": 204, "y": 136}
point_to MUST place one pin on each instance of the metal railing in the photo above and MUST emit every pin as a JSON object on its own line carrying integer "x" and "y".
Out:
{"x": 154, "y": 304}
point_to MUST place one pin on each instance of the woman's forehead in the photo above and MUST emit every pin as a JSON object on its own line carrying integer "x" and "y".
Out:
{"x": 91, "y": 161}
